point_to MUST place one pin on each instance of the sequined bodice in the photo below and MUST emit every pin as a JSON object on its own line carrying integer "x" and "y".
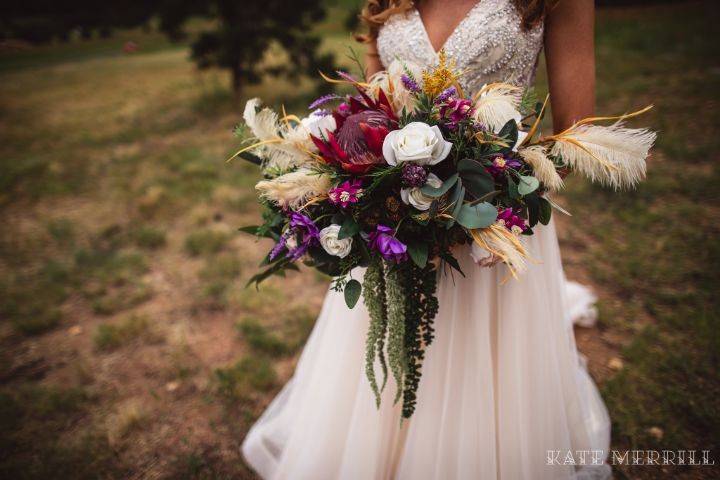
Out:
{"x": 488, "y": 45}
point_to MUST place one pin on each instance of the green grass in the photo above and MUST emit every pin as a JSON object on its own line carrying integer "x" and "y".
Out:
{"x": 149, "y": 237}
{"x": 113, "y": 336}
{"x": 245, "y": 378}
{"x": 205, "y": 242}
{"x": 260, "y": 339}
{"x": 112, "y": 178}
{"x": 655, "y": 249}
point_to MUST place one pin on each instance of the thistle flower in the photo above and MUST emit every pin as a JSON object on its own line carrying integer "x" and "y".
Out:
{"x": 413, "y": 175}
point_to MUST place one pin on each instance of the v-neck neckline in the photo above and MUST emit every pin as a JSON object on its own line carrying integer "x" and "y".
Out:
{"x": 450, "y": 37}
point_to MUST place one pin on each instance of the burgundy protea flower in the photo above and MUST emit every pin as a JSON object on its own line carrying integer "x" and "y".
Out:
{"x": 413, "y": 175}
{"x": 346, "y": 193}
{"x": 362, "y": 125}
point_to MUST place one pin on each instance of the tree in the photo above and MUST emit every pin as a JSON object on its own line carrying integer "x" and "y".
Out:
{"x": 237, "y": 38}
{"x": 242, "y": 32}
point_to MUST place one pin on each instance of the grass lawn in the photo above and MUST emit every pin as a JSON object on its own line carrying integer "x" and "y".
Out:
{"x": 129, "y": 344}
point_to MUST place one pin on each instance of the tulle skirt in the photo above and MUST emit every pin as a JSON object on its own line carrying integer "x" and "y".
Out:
{"x": 502, "y": 386}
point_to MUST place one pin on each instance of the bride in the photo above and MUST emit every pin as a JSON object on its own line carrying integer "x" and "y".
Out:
{"x": 503, "y": 390}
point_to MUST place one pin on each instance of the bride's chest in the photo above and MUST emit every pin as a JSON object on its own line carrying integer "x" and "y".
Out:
{"x": 488, "y": 44}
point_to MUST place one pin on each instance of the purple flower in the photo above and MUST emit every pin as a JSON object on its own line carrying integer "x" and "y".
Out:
{"x": 455, "y": 110}
{"x": 512, "y": 221}
{"x": 384, "y": 242}
{"x": 409, "y": 83}
{"x": 323, "y": 100}
{"x": 346, "y": 193}
{"x": 302, "y": 234}
{"x": 445, "y": 95}
{"x": 500, "y": 164}
{"x": 413, "y": 175}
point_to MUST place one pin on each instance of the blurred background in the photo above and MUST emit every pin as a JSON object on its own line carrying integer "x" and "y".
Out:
{"x": 129, "y": 347}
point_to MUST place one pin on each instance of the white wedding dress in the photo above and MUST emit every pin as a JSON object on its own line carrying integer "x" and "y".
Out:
{"x": 502, "y": 383}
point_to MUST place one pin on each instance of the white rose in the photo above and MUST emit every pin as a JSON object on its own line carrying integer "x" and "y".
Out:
{"x": 318, "y": 124}
{"x": 332, "y": 245}
{"x": 415, "y": 197}
{"x": 416, "y": 142}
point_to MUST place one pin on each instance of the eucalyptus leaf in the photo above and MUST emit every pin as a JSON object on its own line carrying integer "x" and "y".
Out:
{"x": 353, "y": 289}
{"x": 439, "y": 192}
{"x": 476, "y": 216}
{"x": 527, "y": 184}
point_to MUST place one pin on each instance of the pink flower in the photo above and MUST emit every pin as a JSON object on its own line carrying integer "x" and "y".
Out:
{"x": 346, "y": 193}
{"x": 512, "y": 221}
{"x": 455, "y": 110}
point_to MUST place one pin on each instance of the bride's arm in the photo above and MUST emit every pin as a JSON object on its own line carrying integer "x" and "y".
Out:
{"x": 570, "y": 57}
{"x": 372, "y": 59}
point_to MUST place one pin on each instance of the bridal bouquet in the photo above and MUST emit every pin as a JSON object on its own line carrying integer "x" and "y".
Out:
{"x": 396, "y": 175}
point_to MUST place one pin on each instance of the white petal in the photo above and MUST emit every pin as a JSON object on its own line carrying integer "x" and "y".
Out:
{"x": 388, "y": 150}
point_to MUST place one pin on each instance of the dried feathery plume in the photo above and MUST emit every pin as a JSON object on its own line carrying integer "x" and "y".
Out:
{"x": 263, "y": 123}
{"x": 282, "y": 146}
{"x": 496, "y": 104}
{"x": 612, "y": 155}
{"x": 543, "y": 168}
{"x": 504, "y": 244}
{"x": 294, "y": 189}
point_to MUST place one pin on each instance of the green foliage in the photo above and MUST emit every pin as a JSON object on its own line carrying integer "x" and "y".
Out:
{"x": 421, "y": 306}
{"x": 376, "y": 304}
{"x": 243, "y": 32}
{"x": 352, "y": 292}
{"x": 395, "y": 291}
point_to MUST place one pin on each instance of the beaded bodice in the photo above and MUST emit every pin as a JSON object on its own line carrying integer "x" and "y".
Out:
{"x": 488, "y": 45}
